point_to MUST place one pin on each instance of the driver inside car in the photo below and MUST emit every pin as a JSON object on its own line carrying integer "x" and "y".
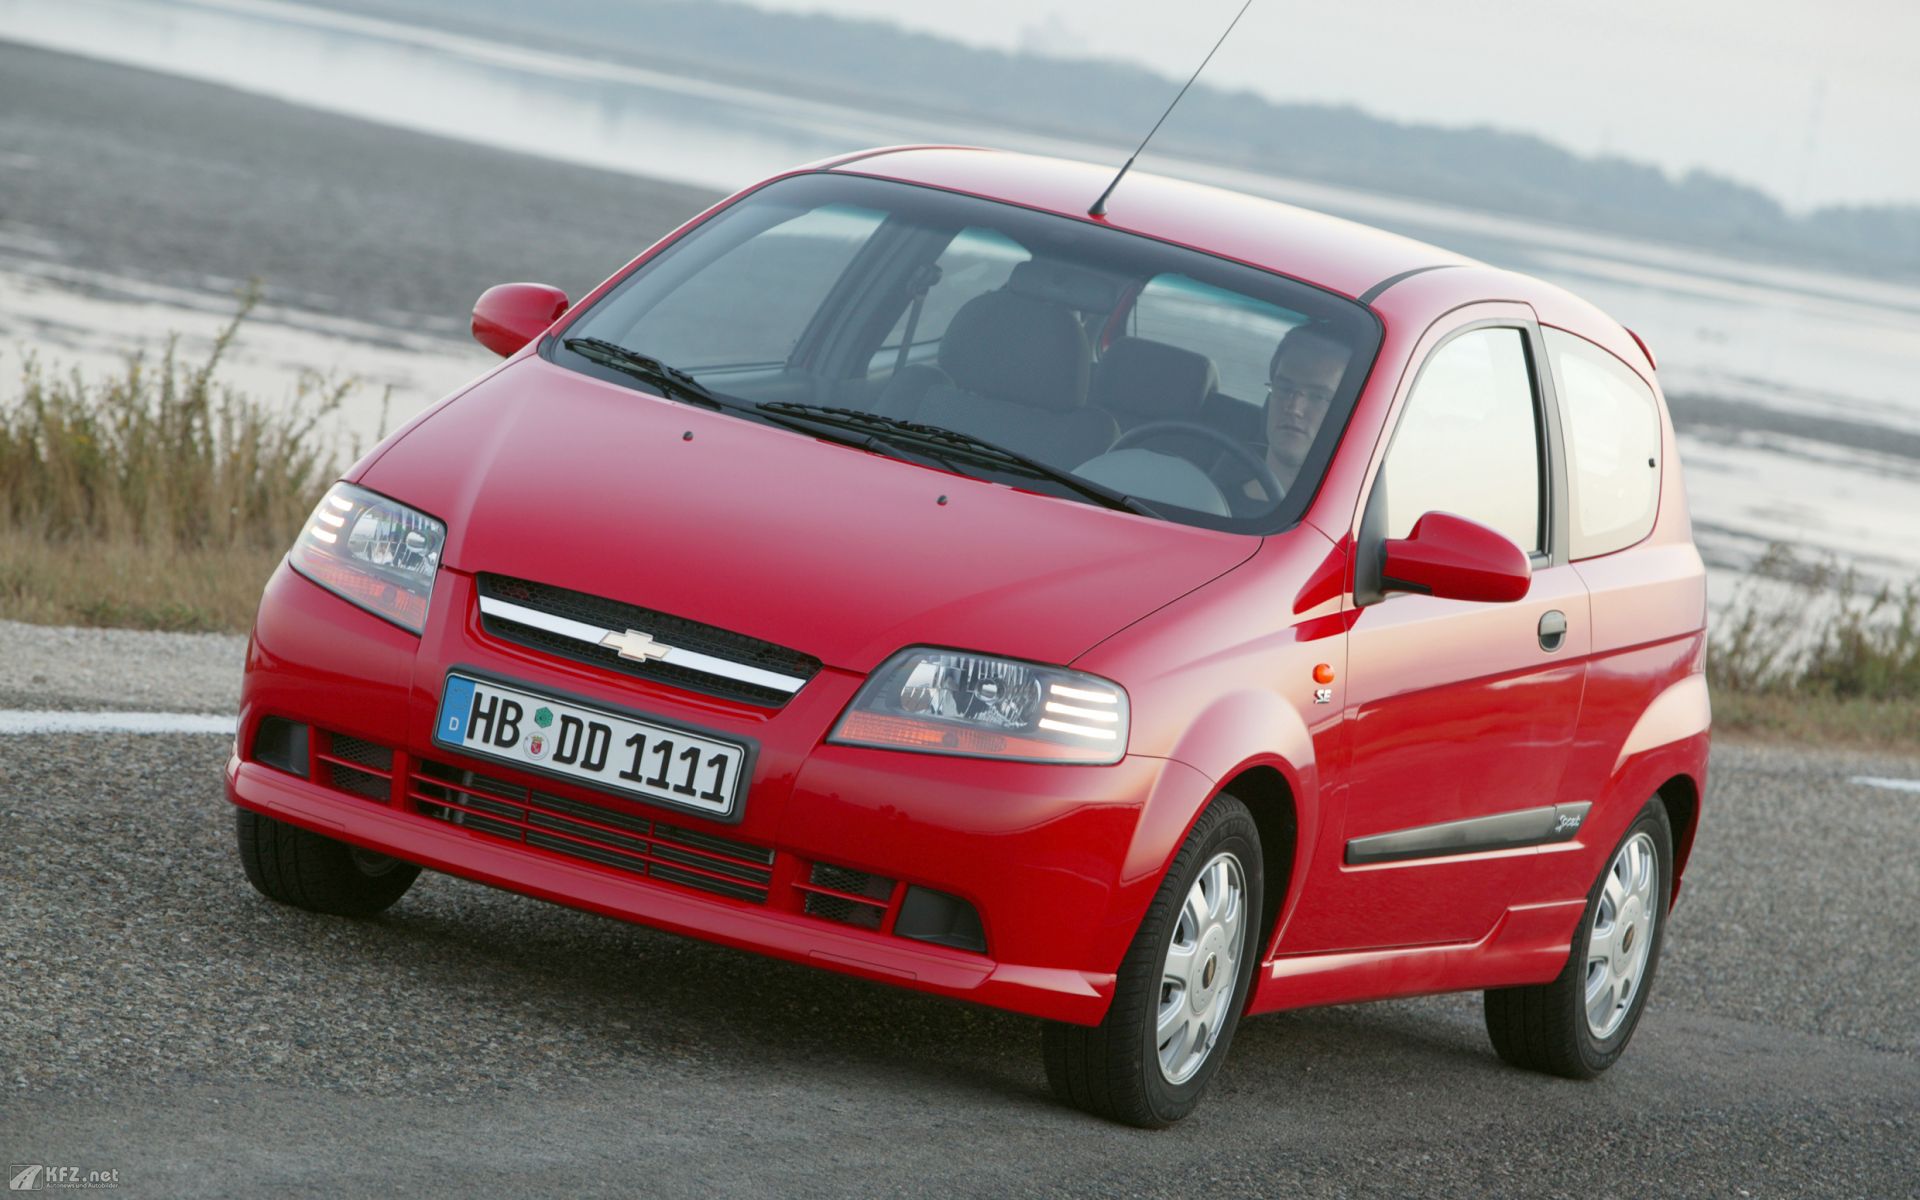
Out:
{"x": 1302, "y": 378}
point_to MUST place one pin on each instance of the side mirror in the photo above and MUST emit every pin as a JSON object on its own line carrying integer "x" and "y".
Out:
{"x": 507, "y": 317}
{"x": 1455, "y": 559}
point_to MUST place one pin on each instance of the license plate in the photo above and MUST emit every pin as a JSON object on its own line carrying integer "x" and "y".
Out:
{"x": 603, "y": 749}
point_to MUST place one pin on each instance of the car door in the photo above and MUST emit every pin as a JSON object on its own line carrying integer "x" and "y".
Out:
{"x": 1459, "y": 714}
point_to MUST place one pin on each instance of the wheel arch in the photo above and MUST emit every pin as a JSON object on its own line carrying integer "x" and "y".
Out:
{"x": 1680, "y": 795}
{"x": 1264, "y": 789}
{"x": 1258, "y": 746}
{"x": 1271, "y": 787}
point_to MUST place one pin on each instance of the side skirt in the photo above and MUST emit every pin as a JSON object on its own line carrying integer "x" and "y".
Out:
{"x": 1529, "y": 944}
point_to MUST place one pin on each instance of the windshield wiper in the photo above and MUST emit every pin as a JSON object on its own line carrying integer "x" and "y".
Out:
{"x": 671, "y": 380}
{"x": 675, "y": 382}
{"x": 952, "y": 443}
{"x": 870, "y": 431}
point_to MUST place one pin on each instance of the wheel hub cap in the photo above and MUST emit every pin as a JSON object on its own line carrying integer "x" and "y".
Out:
{"x": 1620, "y": 939}
{"x": 1200, "y": 968}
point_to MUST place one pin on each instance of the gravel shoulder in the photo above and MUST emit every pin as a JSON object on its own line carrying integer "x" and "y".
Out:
{"x": 44, "y": 666}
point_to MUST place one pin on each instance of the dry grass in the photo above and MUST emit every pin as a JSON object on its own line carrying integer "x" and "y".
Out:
{"x": 1812, "y": 628}
{"x": 123, "y": 584}
{"x": 1810, "y": 654}
{"x": 157, "y": 498}
{"x": 1817, "y": 720}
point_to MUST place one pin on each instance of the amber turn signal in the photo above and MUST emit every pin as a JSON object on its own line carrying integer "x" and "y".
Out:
{"x": 1323, "y": 673}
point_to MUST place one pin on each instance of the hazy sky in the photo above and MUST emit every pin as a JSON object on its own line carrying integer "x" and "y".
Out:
{"x": 1817, "y": 102}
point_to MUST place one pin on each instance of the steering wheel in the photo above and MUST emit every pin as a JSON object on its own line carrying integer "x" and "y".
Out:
{"x": 1262, "y": 474}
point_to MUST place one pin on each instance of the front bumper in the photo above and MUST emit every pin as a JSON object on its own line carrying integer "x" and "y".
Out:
{"x": 1039, "y": 851}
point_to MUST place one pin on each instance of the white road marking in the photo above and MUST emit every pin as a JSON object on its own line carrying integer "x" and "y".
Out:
{"x": 26, "y": 721}
{"x": 1892, "y": 785}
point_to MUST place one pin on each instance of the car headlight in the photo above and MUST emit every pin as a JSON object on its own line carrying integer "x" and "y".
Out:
{"x": 948, "y": 702}
{"x": 373, "y": 552}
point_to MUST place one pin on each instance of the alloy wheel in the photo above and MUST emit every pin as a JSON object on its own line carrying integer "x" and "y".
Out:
{"x": 1200, "y": 968}
{"x": 1622, "y": 935}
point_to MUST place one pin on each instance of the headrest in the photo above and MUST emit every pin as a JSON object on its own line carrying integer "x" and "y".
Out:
{"x": 1019, "y": 349}
{"x": 1153, "y": 379}
{"x": 1059, "y": 283}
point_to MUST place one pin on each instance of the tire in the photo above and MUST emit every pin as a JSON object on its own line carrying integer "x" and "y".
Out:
{"x": 1549, "y": 1027}
{"x": 304, "y": 869}
{"x": 1115, "y": 1069}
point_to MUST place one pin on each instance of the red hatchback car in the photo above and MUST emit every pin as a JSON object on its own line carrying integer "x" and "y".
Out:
{"x": 1135, "y": 620}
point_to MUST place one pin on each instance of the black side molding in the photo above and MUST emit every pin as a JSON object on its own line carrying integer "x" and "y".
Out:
{"x": 1503, "y": 831}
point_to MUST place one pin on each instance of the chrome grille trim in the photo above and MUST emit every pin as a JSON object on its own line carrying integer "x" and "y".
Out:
{"x": 593, "y": 635}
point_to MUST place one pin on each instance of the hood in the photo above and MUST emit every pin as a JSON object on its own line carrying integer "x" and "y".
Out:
{"x": 550, "y": 475}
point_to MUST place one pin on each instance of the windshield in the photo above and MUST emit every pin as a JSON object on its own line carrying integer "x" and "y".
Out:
{"x": 1210, "y": 392}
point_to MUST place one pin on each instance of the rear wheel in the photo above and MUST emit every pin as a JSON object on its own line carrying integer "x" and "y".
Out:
{"x": 1579, "y": 1024}
{"x": 307, "y": 870}
{"x": 1181, "y": 988}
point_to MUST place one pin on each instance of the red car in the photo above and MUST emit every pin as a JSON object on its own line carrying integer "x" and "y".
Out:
{"x": 1136, "y": 620}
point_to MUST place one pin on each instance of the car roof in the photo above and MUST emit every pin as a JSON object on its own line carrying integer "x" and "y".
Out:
{"x": 1339, "y": 255}
{"x": 1346, "y": 257}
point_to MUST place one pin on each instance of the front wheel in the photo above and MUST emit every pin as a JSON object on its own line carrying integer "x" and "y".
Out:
{"x": 311, "y": 871}
{"x": 1181, "y": 988}
{"x": 1579, "y": 1024}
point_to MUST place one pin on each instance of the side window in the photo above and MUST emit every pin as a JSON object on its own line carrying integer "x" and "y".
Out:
{"x": 1613, "y": 446}
{"x": 1468, "y": 441}
{"x": 1237, "y": 332}
{"x": 750, "y": 306}
{"x": 975, "y": 261}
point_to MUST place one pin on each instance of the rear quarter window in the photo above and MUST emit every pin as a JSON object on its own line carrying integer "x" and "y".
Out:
{"x": 1613, "y": 446}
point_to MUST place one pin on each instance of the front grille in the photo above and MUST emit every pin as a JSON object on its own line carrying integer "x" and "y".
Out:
{"x": 851, "y": 897}
{"x": 670, "y": 630}
{"x": 848, "y": 896}
{"x": 360, "y": 767}
{"x": 626, "y": 842}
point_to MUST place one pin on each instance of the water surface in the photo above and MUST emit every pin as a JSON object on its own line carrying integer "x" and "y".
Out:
{"x": 1810, "y": 367}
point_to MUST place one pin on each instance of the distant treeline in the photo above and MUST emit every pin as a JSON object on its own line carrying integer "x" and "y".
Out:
{"x": 863, "y": 62}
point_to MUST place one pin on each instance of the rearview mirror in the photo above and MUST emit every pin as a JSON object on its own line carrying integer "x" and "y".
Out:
{"x": 1455, "y": 559}
{"x": 507, "y": 317}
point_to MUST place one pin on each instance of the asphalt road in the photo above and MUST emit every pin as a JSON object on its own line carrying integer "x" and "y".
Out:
{"x": 159, "y": 1018}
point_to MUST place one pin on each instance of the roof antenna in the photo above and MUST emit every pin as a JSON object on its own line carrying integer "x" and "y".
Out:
{"x": 1099, "y": 208}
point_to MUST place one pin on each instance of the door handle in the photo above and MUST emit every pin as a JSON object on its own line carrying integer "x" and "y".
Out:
{"x": 1553, "y": 630}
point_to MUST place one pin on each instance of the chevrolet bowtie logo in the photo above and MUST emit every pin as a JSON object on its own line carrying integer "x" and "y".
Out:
{"x": 635, "y": 645}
